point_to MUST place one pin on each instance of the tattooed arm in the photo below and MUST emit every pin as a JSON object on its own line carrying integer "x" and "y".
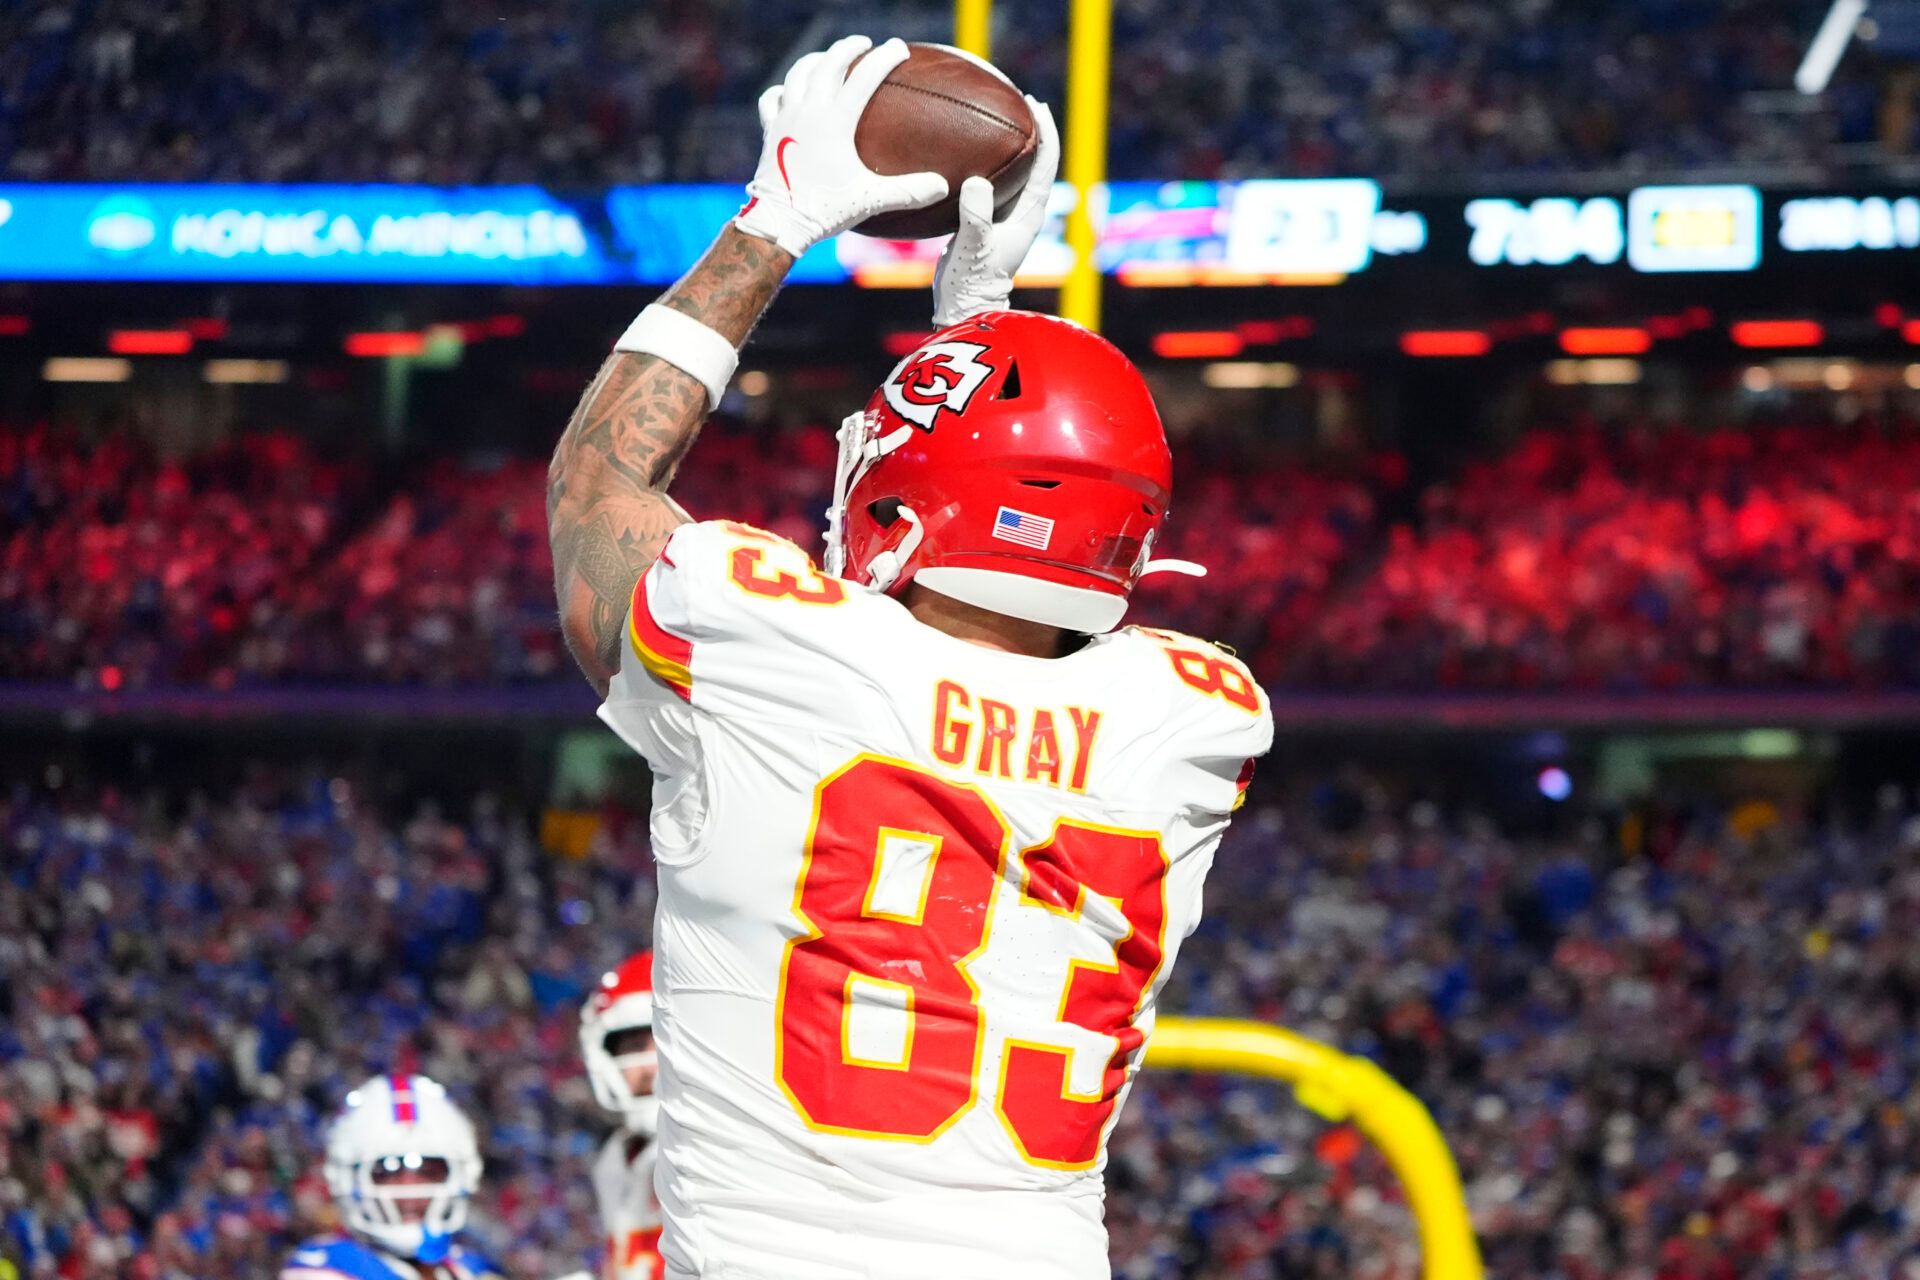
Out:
{"x": 608, "y": 513}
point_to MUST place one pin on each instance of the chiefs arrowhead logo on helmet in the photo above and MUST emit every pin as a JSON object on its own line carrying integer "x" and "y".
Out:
{"x": 940, "y": 375}
{"x": 1061, "y": 439}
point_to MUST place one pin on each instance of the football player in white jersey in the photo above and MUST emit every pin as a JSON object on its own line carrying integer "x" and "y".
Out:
{"x": 402, "y": 1165}
{"x": 930, "y": 830}
{"x": 616, "y": 1040}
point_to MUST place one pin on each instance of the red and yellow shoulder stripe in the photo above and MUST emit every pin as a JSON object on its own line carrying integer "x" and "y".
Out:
{"x": 1241, "y": 784}
{"x": 665, "y": 655}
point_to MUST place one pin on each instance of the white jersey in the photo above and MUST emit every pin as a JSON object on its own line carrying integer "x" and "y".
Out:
{"x": 917, "y": 898}
{"x": 629, "y": 1211}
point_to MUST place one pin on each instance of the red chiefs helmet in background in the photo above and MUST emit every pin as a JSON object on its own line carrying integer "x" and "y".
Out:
{"x": 622, "y": 1002}
{"x": 1014, "y": 461}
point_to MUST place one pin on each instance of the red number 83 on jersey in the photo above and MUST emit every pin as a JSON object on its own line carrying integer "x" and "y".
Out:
{"x": 912, "y": 957}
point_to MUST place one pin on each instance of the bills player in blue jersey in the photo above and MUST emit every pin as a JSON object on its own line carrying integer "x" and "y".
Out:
{"x": 402, "y": 1165}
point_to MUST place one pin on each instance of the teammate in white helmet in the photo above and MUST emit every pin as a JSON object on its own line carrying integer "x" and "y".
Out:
{"x": 402, "y": 1166}
{"x": 616, "y": 1040}
{"x": 931, "y": 826}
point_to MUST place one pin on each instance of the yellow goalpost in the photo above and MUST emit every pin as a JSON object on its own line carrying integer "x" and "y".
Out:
{"x": 973, "y": 27}
{"x": 1084, "y": 162}
{"x": 1339, "y": 1087}
{"x": 1332, "y": 1084}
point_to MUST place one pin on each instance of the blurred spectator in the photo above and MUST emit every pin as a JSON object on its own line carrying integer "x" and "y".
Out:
{"x": 1580, "y": 559}
{"x": 1428, "y": 91}
{"x": 1675, "y": 1050}
{"x": 378, "y": 91}
{"x": 119, "y": 566}
{"x": 451, "y": 583}
{"x": 1645, "y": 559}
{"x": 262, "y": 563}
{"x": 188, "y": 995}
{"x": 577, "y": 91}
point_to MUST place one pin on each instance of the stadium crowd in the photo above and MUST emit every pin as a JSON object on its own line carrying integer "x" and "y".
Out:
{"x": 578, "y": 92}
{"x": 1673, "y": 1046}
{"x": 260, "y": 563}
{"x": 1643, "y": 559}
{"x": 1578, "y": 559}
{"x": 190, "y": 993}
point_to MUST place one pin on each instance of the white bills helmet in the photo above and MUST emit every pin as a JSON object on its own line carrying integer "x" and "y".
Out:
{"x": 622, "y": 1003}
{"x": 402, "y": 1165}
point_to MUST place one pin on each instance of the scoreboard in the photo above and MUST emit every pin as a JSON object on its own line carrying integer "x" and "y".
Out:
{"x": 1152, "y": 234}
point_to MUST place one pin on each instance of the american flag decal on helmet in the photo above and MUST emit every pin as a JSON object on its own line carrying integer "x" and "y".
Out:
{"x": 1021, "y": 527}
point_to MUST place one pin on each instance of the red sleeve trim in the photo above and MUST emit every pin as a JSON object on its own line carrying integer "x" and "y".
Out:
{"x": 667, "y": 657}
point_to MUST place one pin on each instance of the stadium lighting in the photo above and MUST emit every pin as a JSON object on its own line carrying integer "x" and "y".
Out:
{"x": 1777, "y": 333}
{"x": 150, "y": 342}
{"x": 1630, "y": 341}
{"x": 375, "y": 344}
{"x": 1197, "y": 343}
{"x": 1246, "y": 375}
{"x": 1611, "y": 372}
{"x": 1829, "y": 43}
{"x": 87, "y": 369}
{"x": 233, "y": 372}
{"x": 1446, "y": 342}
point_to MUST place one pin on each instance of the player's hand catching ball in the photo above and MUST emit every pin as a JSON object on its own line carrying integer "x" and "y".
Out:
{"x": 976, "y": 271}
{"x": 811, "y": 184}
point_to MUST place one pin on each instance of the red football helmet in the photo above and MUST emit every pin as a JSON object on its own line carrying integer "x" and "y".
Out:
{"x": 1014, "y": 461}
{"x": 622, "y": 1002}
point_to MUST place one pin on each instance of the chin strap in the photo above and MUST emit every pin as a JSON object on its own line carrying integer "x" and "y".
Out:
{"x": 885, "y": 568}
{"x": 434, "y": 1249}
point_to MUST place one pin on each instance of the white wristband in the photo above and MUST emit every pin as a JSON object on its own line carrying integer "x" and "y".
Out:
{"x": 684, "y": 343}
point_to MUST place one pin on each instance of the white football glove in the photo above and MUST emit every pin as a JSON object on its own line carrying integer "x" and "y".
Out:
{"x": 976, "y": 271}
{"x": 811, "y": 184}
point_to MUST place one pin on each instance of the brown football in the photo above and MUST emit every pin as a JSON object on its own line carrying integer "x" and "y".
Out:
{"x": 945, "y": 111}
